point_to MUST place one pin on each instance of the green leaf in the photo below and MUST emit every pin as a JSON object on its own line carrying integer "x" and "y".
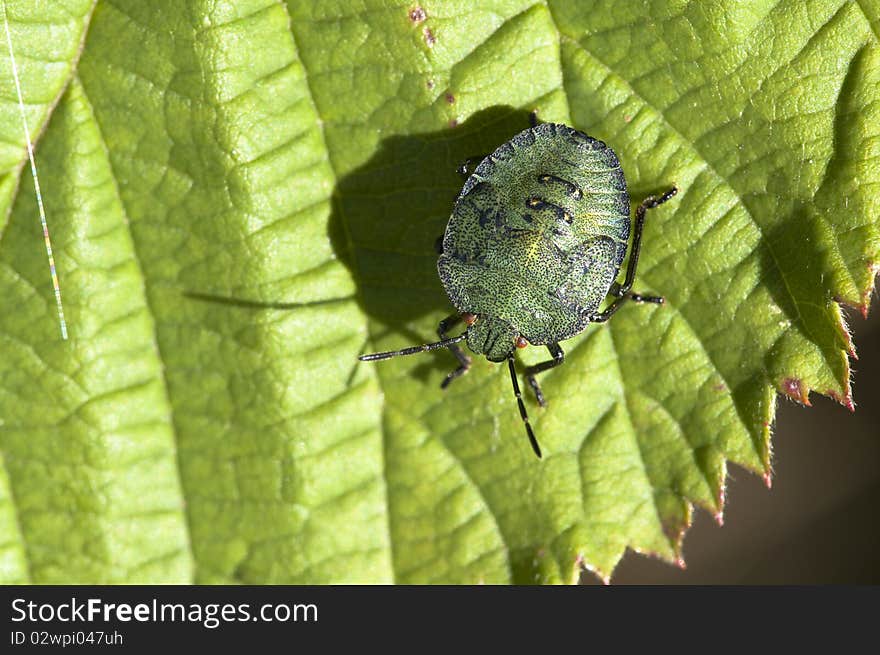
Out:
{"x": 244, "y": 197}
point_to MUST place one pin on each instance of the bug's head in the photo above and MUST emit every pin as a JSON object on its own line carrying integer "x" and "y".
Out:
{"x": 493, "y": 337}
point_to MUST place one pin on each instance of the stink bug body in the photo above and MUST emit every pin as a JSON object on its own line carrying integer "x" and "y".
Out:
{"x": 533, "y": 247}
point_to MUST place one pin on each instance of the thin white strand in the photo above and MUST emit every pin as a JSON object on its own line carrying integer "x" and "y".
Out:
{"x": 30, "y": 149}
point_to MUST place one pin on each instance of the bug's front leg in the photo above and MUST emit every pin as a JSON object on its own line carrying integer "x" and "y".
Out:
{"x": 531, "y": 371}
{"x": 533, "y": 118}
{"x": 463, "y": 359}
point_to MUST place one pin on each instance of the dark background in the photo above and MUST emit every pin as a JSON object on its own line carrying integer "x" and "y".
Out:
{"x": 820, "y": 522}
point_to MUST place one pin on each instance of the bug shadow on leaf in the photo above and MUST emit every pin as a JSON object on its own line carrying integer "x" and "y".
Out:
{"x": 389, "y": 212}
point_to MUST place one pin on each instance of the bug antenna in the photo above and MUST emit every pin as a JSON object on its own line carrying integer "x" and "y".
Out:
{"x": 414, "y": 349}
{"x": 522, "y": 408}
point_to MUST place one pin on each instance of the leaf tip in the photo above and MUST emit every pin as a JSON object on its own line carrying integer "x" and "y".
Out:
{"x": 846, "y": 399}
{"x": 845, "y": 333}
{"x": 795, "y": 389}
{"x": 719, "y": 503}
{"x": 873, "y": 271}
{"x": 581, "y": 563}
{"x": 768, "y": 479}
{"x": 675, "y": 532}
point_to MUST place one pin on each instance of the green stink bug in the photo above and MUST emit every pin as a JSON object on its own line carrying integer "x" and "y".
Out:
{"x": 534, "y": 245}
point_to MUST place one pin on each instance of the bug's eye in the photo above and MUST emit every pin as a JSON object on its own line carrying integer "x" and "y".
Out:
{"x": 521, "y": 342}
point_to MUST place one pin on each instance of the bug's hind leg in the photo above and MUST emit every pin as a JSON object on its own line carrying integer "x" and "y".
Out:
{"x": 635, "y": 297}
{"x": 531, "y": 371}
{"x": 464, "y": 362}
{"x": 624, "y": 291}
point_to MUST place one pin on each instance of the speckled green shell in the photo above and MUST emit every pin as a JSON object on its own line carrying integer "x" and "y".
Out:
{"x": 538, "y": 233}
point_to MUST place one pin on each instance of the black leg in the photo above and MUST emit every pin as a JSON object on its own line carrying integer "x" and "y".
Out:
{"x": 412, "y": 350}
{"x": 531, "y": 371}
{"x": 463, "y": 360}
{"x": 533, "y": 118}
{"x": 615, "y": 291}
{"x": 656, "y": 300}
{"x": 624, "y": 291}
{"x": 522, "y": 408}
